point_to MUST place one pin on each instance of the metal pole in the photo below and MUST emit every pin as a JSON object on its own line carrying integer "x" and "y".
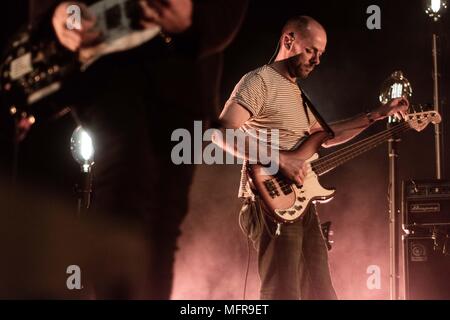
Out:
{"x": 84, "y": 191}
{"x": 393, "y": 220}
{"x": 437, "y": 127}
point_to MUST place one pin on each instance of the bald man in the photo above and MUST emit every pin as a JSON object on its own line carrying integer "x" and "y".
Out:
{"x": 292, "y": 259}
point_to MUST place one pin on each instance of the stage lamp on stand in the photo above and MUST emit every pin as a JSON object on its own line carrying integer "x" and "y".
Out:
{"x": 396, "y": 86}
{"x": 82, "y": 148}
{"x": 435, "y": 10}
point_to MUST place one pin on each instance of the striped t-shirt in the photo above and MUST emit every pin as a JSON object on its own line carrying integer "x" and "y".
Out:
{"x": 274, "y": 103}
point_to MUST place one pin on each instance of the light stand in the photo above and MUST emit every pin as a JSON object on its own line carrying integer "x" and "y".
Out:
{"x": 396, "y": 86}
{"x": 435, "y": 9}
{"x": 82, "y": 149}
{"x": 393, "y": 217}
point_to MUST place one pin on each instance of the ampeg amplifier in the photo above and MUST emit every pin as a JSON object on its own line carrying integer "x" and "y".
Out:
{"x": 425, "y": 203}
{"x": 427, "y": 275}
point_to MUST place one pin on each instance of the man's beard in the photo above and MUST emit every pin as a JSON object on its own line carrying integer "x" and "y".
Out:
{"x": 304, "y": 72}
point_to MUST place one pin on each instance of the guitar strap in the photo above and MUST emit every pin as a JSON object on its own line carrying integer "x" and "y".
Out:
{"x": 308, "y": 104}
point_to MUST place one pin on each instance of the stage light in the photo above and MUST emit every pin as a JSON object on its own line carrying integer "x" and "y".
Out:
{"x": 396, "y": 86}
{"x": 82, "y": 148}
{"x": 435, "y": 8}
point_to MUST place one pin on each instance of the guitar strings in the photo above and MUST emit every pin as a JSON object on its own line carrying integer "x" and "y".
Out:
{"x": 328, "y": 162}
{"x": 352, "y": 146}
{"x": 325, "y": 164}
{"x": 349, "y": 147}
{"x": 319, "y": 165}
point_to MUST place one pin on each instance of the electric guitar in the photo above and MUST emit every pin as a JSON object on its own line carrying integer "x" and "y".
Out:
{"x": 287, "y": 202}
{"x": 35, "y": 68}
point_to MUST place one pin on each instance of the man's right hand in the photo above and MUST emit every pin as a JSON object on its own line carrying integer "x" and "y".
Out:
{"x": 292, "y": 168}
{"x": 75, "y": 39}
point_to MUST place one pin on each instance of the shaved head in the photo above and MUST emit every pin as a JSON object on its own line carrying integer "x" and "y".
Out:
{"x": 303, "y": 41}
{"x": 303, "y": 25}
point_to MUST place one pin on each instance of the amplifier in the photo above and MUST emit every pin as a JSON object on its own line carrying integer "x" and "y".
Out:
{"x": 425, "y": 203}
{"x": 427, "y": 266}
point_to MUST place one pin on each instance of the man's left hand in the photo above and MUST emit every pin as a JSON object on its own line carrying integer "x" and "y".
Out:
{"x": 396, "y": 107}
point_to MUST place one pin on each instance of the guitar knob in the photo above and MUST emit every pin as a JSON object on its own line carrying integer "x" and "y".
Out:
{"x": 331, "y": 233}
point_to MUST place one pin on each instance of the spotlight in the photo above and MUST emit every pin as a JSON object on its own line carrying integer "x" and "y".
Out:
{"x": 435, "y": 8}
{"x": 396, "y": 86}
{"x": 82, "y": 148}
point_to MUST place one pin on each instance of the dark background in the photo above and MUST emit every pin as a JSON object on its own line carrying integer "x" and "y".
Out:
{"x": 212, "y": 260}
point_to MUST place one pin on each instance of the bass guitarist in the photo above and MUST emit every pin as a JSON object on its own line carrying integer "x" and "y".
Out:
{"x": 292, "y": 258}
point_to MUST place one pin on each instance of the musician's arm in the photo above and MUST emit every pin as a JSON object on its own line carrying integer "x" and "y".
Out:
{"x": 346, "y": 130}
{"x": 234, "y": 116}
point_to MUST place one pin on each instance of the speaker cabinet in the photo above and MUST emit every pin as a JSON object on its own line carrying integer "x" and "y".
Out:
{"x": 427, "y": 269}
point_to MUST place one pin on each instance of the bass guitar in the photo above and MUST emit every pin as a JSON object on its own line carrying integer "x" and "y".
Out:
{"x": 287, "y": 202}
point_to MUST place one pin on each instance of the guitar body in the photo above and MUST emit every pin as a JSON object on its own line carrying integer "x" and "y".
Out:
{"x": 116, "y": 22}
{"x": 36, "y": 69}
{"x": 285, "y": 201}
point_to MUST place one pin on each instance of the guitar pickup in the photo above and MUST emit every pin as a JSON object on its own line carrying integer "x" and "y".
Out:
{"x": 270, "y": 185}
{"x": 286, "y": 190}
{"x": 274, "y": 194}
{"x": 113, "y": 17}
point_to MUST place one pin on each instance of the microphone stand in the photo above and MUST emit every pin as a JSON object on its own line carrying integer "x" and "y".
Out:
{"x": 394, "y": 231}
{"x": 84, "y": 191}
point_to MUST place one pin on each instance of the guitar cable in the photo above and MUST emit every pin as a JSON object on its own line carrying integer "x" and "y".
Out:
{"x": 245, "y": 231}
{"x": 247, "y": 269}
{"x": 259, "y": 225}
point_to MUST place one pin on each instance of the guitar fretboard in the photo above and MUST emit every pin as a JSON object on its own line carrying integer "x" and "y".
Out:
{"x": 334, "y": 160}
